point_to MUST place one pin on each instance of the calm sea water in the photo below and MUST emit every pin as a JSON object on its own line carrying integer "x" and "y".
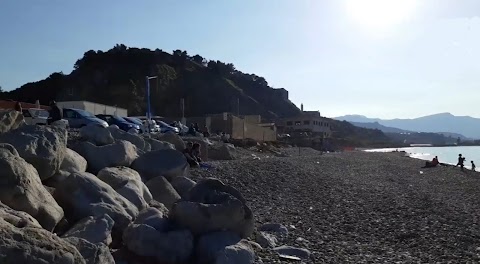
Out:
{"x": 445, "y": 154}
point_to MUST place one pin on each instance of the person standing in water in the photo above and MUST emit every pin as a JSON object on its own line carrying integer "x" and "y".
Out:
{"x": 473, "y": 166}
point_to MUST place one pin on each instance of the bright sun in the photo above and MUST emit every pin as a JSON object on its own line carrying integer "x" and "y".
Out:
{"x": 380, "y": 15}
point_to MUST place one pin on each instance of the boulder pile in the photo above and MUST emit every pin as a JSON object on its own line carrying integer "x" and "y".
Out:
{"x": 112, "y": 197}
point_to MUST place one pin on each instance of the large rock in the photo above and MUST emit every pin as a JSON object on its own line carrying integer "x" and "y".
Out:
{"x": 157, "y": 144}
{"x": 121, "y": 153}
{"x": 34, "y": 245}
{"x": 17, "y": 218}
{"x": 289, "y": 251}
{"x": 221, "y": 151}
{"x": 56, "y": 179}
{"x": 127, "y": 183}
{"x": 42, "y": 146}
{"x": 135, "y": 139}
{"x": 173, "y": 138}
{"x": 212, "y": 206}
{"x": 224, "y": 248}
{"x": 163, "y": 191}
{"x": 182, "y": 185}
{"x": 94, "y": 229}
{"x": 92, "y": 253}
{"x": 149, "y": 236}
{"x": 10, "y": 120}
{"x": 98, "y": 135}
{"x": 166, "y": 162}
{"x": 83, "y": 194}
{"x": 22, "y": 190}
{"x": 266, "y": 239}
{"x": 73, "y": 162}
{"x": 10, "y": 148}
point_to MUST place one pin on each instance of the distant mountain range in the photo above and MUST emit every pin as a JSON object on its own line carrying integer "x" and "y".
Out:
{"x": 465, "y": 127}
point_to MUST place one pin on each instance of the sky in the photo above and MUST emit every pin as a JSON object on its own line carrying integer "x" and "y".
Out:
{"x": 378, "y": 58}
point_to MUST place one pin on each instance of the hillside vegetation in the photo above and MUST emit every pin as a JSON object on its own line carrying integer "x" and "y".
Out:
{"x": 117, "y": 77}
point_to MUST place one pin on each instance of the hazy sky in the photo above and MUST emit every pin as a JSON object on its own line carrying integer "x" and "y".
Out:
{"x": 380, "y": 58}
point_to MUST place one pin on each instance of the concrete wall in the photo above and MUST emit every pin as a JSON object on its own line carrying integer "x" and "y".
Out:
{"x": 242, "y": 130}
{"x": 94, "y": 108}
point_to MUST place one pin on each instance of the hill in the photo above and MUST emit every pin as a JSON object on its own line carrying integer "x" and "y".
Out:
{"x": 117, "y": 77}
{"x": 444, "y": 123}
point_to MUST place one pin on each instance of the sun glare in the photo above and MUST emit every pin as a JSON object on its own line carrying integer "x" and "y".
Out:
{"x": 379, "y": 16}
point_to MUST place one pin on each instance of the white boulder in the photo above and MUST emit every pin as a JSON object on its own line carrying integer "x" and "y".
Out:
{"x": 96, "y": 134}
{"x": 135, "y": 139}
{"x": 22, "y": 190}
{"x": 83, "y": 195}
{"x": 163, "y": 191}
{"x": 73, "y": 162}
{"x": 94, "y": 229}
{"x": 35, "y": 245}
{"x": 10, "y": 120}
{"x": 212, "y": 206}
{"x": 42, "y": 146}
{"x": 127, "y": 183}
{"x": 166, "y": 162}
{"x": 92, "y": 253}
{"x": 120, "y": 153}
{"x": 224, "y": 248}
{"x": 182, "y": 185}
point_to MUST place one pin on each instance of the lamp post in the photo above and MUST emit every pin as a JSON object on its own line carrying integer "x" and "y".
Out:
{"x": 149, "y": 110}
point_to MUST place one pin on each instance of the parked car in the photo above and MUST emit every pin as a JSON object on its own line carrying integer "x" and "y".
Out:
{"x": 118, "y": 121}
{"x": 34, "y": 116}
{"x": 136, "y": 121}
{"x": 38, "y": 116}
{"x": 153, "y": 125}
{"x": 79, "y": 118}
{"x": 164, "y": 127}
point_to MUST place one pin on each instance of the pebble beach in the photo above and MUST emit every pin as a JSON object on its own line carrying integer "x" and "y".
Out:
{"x": 360, "y": 207}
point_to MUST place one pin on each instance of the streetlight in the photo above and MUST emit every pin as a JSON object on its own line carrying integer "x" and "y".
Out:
{"x": 149, "y": 110}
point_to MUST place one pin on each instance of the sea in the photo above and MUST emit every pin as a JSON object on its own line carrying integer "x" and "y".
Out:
{"x": 445, "y": 154}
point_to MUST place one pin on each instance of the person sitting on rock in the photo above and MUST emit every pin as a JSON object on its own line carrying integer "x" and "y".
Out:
{"x": 191, "y": 130}
{"x": 206, "y": 133}
{"x": 55, "y": 113}
{"x": 18, "y": 107}
{"x": 431, "y": 164}
{"x": 196, "y": 152}
{"x": 188, "y": 152}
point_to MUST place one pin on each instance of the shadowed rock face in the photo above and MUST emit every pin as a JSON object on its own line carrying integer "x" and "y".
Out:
{"x": 83, "y": 194}
{"x": 166, "y": 162}
{"x": 212, "y": 206}
{"x": 22, "y": 190}
{"x": 37, "y": 246}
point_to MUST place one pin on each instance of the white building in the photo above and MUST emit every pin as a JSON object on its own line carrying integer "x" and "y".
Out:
{"x": 94, "y": 108}
{"x": 308, "y": 121}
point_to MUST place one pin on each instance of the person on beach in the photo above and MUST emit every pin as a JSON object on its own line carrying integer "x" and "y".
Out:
{"x": 473, "y": 166}
{"x": 196, "y": 152}
{"x": 431, "y": 164}
{"x": 188, "y": 153}
{"x": 461, "y": 161}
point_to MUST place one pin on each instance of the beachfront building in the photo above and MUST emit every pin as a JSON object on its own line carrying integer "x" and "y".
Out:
{"x": 308, "y": 121}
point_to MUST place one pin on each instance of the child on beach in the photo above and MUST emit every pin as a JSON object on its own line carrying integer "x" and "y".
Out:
{"x": 431, "y": 164}
{"x": 473, "y": 165}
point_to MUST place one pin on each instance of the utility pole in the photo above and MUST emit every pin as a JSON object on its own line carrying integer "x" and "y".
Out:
{"x": 149, "y": 109}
